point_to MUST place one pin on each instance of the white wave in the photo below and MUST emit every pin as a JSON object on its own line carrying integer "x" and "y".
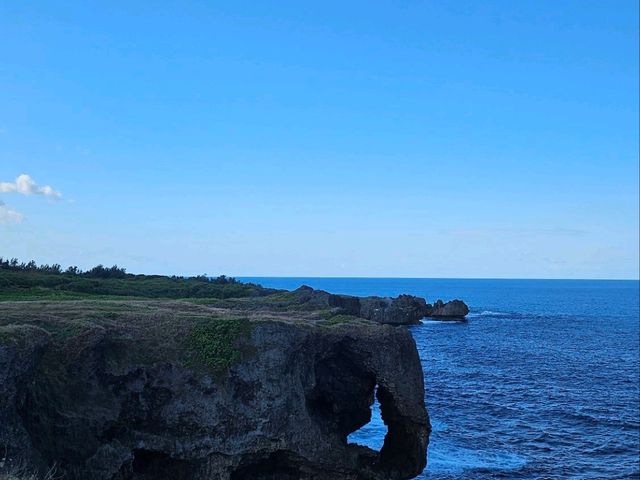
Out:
{"x": 488, "y": 313}
{"x": 429, "y": 321}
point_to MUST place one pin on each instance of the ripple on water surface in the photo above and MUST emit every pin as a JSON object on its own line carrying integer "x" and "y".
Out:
{"x": 541, "y": 382}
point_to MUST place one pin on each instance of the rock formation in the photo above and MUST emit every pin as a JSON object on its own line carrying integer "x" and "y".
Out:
{"x": 173, "y": 390}
{"x": 452, "y": 309}
{"x": 402, "y": 310}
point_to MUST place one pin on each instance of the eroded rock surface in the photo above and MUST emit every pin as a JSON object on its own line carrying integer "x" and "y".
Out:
{"x": 401, "y": 310}
{"x": 153, "y": 392}
{"x": 452, "y": 309}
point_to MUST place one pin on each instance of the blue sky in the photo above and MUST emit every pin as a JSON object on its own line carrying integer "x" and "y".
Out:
{"x": 407, "y": 138}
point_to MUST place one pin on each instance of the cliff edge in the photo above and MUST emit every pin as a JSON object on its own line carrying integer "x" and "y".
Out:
{"x": 152, "y": 389}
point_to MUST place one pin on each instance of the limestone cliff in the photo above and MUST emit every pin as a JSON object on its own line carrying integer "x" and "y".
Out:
{"x": 115, "y": 390}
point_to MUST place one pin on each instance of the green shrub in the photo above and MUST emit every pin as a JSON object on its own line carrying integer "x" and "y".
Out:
{"x": 217, "y": 343}
{"x": 29, "y": 283}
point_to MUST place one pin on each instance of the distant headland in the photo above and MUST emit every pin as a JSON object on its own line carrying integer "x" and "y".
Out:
{"x": 29, "y": 281}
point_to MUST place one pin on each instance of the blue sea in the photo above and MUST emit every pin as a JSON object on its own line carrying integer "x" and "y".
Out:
{"x": 542, "y": 380}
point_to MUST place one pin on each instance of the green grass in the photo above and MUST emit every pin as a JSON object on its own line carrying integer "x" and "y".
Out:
{"x": 214, "y": 302}
{"x": 338, "y": 319}
{"x": 39, "y": 293}
{"x": 27, "y": 285}
{"x": 217, "y": 343}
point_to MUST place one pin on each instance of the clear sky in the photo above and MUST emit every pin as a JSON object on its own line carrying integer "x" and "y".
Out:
{"x": 406, "y": 138}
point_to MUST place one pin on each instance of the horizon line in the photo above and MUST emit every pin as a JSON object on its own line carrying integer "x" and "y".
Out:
{"x": 436, "y": 278}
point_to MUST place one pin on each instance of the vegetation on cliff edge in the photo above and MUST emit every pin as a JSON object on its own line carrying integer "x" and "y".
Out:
{"x": 29, "y": 281}
{"x": 217, "y": 343}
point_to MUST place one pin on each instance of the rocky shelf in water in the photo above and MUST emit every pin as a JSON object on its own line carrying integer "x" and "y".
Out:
{"x": 401, "y": 310}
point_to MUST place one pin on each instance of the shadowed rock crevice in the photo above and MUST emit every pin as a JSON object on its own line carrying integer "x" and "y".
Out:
{"x": 276, "y": 465}
{"x": 342, "y": 396}
{"x": 151, "y": 465}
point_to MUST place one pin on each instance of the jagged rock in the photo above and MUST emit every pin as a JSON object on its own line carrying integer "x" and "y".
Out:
{"x": 130, "y": 400}
{"x": 318, "y": 299}
{"x": 403, "y": 310}
{"x": 452, "y": 309}
{"x": 374, "y": 308}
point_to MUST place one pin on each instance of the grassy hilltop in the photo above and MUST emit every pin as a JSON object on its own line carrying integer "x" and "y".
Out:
{"x": 113, "y": 288}
{"x": 199, "y": 319}
{"x": 29, "y": 281}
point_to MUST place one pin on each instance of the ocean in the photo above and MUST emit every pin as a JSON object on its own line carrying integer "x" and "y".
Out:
{"x": 542, "y": 380}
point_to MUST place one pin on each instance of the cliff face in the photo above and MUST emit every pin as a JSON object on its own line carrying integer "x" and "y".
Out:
{"x": 140, "y": 390}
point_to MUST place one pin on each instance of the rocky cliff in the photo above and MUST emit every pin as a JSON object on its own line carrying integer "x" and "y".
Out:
{"x": 115, "y": 390}
{"x": 451, "y": 309}
{"x": 401, "y": 310}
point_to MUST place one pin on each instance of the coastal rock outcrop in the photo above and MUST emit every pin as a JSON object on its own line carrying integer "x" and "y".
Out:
{"x": 452, "y": 309}
{"x": 318, "y": 299}
{"x": 401, "y": 310}
{"x": 173, "y": 390}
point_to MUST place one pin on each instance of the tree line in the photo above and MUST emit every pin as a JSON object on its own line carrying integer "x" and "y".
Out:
{"x": 99, "y": 271}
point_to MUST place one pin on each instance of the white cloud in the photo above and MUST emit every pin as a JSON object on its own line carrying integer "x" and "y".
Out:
{"x": 25, "y": 185}
{"x": 9, "y": 216}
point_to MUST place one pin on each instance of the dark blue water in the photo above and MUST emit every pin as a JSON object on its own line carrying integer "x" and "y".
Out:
{"x": 542, "y": 381}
